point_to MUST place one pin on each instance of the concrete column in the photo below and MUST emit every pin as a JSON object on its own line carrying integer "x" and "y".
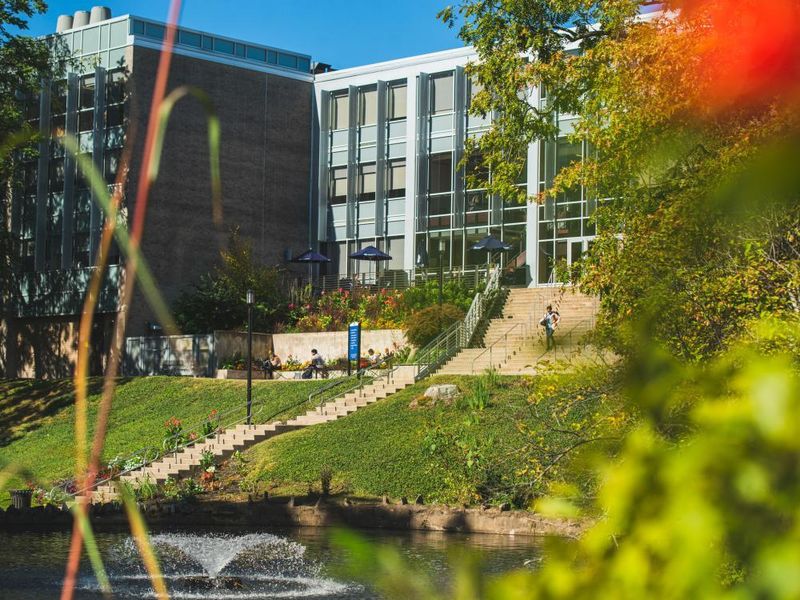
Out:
{"x": 69, "y": 172}
{"x": 409, "y": 237}
{"x": 532, "y": 214}
{"x": 98, "y": 153}
{"x": 423, "y": 100}
{"x": 380, "y": 162}
{"x": 324, "y": 171}
{"x": 42, "y": 177}
{"x": 352, "y": 162}
{"x": 460, "y": 85}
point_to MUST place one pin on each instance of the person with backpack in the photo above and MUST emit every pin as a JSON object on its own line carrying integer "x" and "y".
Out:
{"x": 550, "y": 322}
{"x": 267, "y": 367}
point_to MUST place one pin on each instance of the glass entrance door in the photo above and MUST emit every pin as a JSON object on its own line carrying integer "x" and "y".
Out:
{"x": 557, "y": 257}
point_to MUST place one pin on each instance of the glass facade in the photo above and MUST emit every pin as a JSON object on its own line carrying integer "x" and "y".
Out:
{"x": 436, "y": 188}
{"x": 224, "y": 46}
{"x": 60, "y": 204}
{"x": 565, "y": 224}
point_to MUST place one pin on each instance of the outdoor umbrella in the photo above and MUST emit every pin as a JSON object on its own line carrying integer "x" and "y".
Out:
{"x": 489, "y": 244}
{"x": 309, "y": 257}
{"x": 370, "y": 253}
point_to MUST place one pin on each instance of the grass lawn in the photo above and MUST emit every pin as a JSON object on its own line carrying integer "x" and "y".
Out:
{"x": 37, "y": 417}
{"x": 489, "y": 445}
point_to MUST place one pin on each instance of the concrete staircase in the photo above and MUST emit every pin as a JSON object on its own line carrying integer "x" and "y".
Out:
{"x": 514, "y": 343}
{"x": 240, "y": 437}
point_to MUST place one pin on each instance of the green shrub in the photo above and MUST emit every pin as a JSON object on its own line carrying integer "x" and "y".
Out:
{"x": 426, "y": 324}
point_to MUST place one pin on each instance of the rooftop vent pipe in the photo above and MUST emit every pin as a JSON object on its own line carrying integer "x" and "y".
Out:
{"x": 100, "y": 13}
{"x": 64, "y": 23}
{"x": 80, "y": 18}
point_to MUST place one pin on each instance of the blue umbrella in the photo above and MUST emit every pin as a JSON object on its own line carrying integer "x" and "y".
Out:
{"x": 309, "y": 256}
{"x": 490, "y": 243}
{"x": 370, "y": 253}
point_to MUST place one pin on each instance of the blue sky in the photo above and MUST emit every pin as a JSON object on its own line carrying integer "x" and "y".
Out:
{"x": 344, "y": 33}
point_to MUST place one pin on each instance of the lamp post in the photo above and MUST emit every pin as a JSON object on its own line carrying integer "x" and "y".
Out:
{"x": 251, "y": 299}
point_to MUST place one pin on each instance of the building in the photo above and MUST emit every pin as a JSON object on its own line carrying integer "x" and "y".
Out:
{"x": 263, "y": 97}
{"x": 310, "y": 157}
{"x": 391, "y": 140}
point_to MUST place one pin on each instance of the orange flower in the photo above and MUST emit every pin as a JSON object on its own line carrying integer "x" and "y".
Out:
{"x": 751, "y": 53}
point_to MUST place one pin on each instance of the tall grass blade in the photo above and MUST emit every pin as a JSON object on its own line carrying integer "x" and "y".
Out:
{"x": 130, "y": 249}
{"x": 142, "y": 538}
{"x": 92, "y": 551}
{"x": 213, "y": 141}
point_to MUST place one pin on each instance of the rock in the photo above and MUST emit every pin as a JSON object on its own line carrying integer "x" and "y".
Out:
{"x": 419, "y": 500}
{"x": 446, "y": 391}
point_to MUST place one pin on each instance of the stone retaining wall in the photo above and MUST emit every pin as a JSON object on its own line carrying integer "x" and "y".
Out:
{"x": 267, "y": 512}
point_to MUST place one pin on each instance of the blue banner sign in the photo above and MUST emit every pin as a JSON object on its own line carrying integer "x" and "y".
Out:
{"x": 354, "y": 341}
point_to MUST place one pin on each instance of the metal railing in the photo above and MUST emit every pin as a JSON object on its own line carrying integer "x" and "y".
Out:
{"x": 394, "y": 279}
{"x": 564, "y": 342}
{"x": 172, "y": 445}
{"x": 356, "y": 382}
{"x": 523, "y": 328}
{"x": 459, "y": 335}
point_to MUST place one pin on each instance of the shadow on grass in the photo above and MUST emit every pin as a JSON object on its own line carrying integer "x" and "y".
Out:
{"x": 26, "y": 405}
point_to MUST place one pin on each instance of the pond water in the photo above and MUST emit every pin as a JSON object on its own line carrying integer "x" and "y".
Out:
{"x": 237, "y": 564}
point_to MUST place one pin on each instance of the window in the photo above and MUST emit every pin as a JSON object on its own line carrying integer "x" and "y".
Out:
{"x": 85, "y": 120}
{"x": 337, "y": 193}
{"x": 477, "y": 201}
{"x": 223, "y": 46}
{"x": 115, "y": 115}
{"x": 154, "y": 31}
{"x": 29, "y": 178}
{"x": 477, "y": 172}
{"x": 190, "y": 38}
{"x": 119, "y": 34}
{"x": 112, "y": 160}
{"x": 87, "y": 92}
{"x": 396, "y": 178}
{"x": 339, "y": 109}
{"x": 368, "y": 107}
{"x": 256, "y": 54}
{"x": 91, "y": 40}
{"x": 441, "y": 173}
{"x": 474, "y": 88}
{"x": 442, "y": 94}
{"x": 439, "y": 205}
{"x": 287, "y": 60}
{"x": 115, "y": 87}
{"x": 366, "y": 182}
{"x": 397, "y": 101}
{"x": 57, "y": 175}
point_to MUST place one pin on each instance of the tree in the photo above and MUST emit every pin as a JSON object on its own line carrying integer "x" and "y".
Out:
{"x": 218, "y": 300}
{"x": 669, "y": 246}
